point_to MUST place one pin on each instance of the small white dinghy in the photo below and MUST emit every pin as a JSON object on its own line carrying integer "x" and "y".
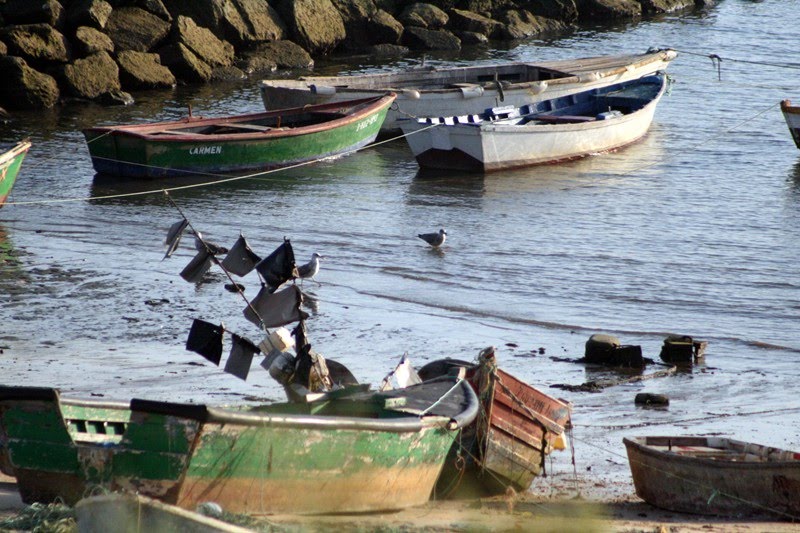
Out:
{"x": 549, "y": 131}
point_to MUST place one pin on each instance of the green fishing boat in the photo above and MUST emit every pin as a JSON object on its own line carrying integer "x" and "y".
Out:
{"x": 236, "y": 144}
{"x": 10, "y": 161}
{"x": 354, "y": 451}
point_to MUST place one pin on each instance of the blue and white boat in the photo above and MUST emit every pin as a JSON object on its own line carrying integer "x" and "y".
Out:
{"x": 548, "y": 131}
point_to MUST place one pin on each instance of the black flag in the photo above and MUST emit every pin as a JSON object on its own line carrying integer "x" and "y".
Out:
{"x": 278, "y": 268}
{"x": 241, "y": 260}
{"x": 205, "y": 338}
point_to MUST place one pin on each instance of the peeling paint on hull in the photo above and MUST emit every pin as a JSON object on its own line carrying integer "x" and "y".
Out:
{"x": 363, "y": 455}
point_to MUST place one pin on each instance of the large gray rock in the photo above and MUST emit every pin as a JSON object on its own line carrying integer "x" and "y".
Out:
{"x": 260, "y": 23}
{"x": 24, "y": 87}
{"x": 316, "y": 25}
{"x": 89, "y": 41}
{"x": 133, "y": 28}
{"x": 355, "y": 16}
{"x": 184, "y": 63}
{"x": 387, "y": 51}
{"x": 278, "y": 54}
{"x": 156, "y": 7}
{"x": 608, "y": 9}
{"x": 665, "y": 6}
{"x": 92, "y": 13}
{"x": 424, "y": 16}
{"x": 142, "y": 70}
{"x": 26, "y": 12}
{"x": 91, "y": 77}
{"x": 523, "y": 24}
{"x": 562, "y": 10}
{"x": 227, "y": 73}
{"x": 36, "y": 43}
{"x": 241, "y": 22}
{"x": 203, "y": 43}
{"x": 384, "y": 28}
{"x": 471, "y": 22}
{"x": 424, "y": 39}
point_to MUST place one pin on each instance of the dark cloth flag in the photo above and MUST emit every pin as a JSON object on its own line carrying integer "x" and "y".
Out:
{"x": 275, "y": 309}
{"x": 174, "y": 236}
{"x": 241, "y": 357}
{"x": 197, "y": 267}
{"x": 278, "y": 268}
{"x": 205, "y": 338}
{"x": 241, "y": 260}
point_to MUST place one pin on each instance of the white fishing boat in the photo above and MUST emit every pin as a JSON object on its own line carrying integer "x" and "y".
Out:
{"x": 429, "y": 91}
{"x": 548, "y": 131}
{"x": 791, "y": 113}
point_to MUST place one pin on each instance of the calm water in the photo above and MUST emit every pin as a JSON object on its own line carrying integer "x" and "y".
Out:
{"x": 695, "y": 230}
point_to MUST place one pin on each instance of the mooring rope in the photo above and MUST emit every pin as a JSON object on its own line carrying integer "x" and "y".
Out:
{"x": 223, "y": 178}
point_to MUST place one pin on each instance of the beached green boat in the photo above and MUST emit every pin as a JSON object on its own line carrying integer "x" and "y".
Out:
{"x": 236, "y": 144}
{"x": 355, "y": 452}
{"x": 10, "y": 161}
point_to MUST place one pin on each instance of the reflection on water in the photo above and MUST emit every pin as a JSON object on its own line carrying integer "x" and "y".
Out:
{"x": 794, "y": 177}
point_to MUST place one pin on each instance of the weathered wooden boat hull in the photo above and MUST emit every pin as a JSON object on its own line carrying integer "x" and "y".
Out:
{"x": 134, "y": 513}
{"x": 456, "y": 91}
{"x": 273, "y": 459}
{"x": 791, "y": 114}
{"x": 518, "y": 426}
{"x": 719, "y": 476}
{"x": 144, "y": 151}
{"x": 10, "y": 163}
{"x": 494, "y": 146}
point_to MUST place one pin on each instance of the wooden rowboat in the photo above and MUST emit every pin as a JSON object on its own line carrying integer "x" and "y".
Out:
{"x": 549, "y": 131}
{"x": 453, "y": 91}
{"x": 791, "y": 113}
{"x": 241, "y": 143}
{"x": 10, "y": 161}
{"x": 357, "y": 453}
{"x": 715, "y": 476}
{"x": 516, "y": 428}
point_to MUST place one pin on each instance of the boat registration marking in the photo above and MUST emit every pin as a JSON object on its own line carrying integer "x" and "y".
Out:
{"x": 205, "y": 150}
{"x": 366, "y": 122}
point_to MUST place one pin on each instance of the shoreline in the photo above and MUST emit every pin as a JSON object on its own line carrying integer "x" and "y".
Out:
{"x": 593, "y": 508}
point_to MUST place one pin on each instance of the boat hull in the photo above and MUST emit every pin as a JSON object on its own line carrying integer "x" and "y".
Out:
{"x": 494, "y": 146}
{"x": 129, "y": 152}
{"x": 791, "y": 115}
{"x": 518, "y": 426}
{"x": 712, "y": 485}
{"x": 459, "y": 91}
{"x": 245, "y": 461}
{"x": 10, "y": 163}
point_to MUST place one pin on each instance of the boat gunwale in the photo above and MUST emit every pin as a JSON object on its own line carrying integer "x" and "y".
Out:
{"x": 568, "y": 78}
{"x": 149, "y": 131}
{"x": 404, "y": 422}
{"x": 14, "y": 152}
{"x": 502, "y": 126}
{"x": 788, "y": 108}
{"x": 639, "y": 445}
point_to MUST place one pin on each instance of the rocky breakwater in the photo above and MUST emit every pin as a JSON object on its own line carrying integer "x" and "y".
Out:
{"x": 54, "y": 51}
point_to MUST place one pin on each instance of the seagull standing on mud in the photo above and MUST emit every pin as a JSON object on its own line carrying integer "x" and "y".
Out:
{"x": 434, "y": 239}
{"x": 310, "y": 269}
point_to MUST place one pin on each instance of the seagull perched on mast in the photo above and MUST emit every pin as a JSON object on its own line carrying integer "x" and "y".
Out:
{"x": 434, "y": 239}
{"x": 310, "y": 269}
